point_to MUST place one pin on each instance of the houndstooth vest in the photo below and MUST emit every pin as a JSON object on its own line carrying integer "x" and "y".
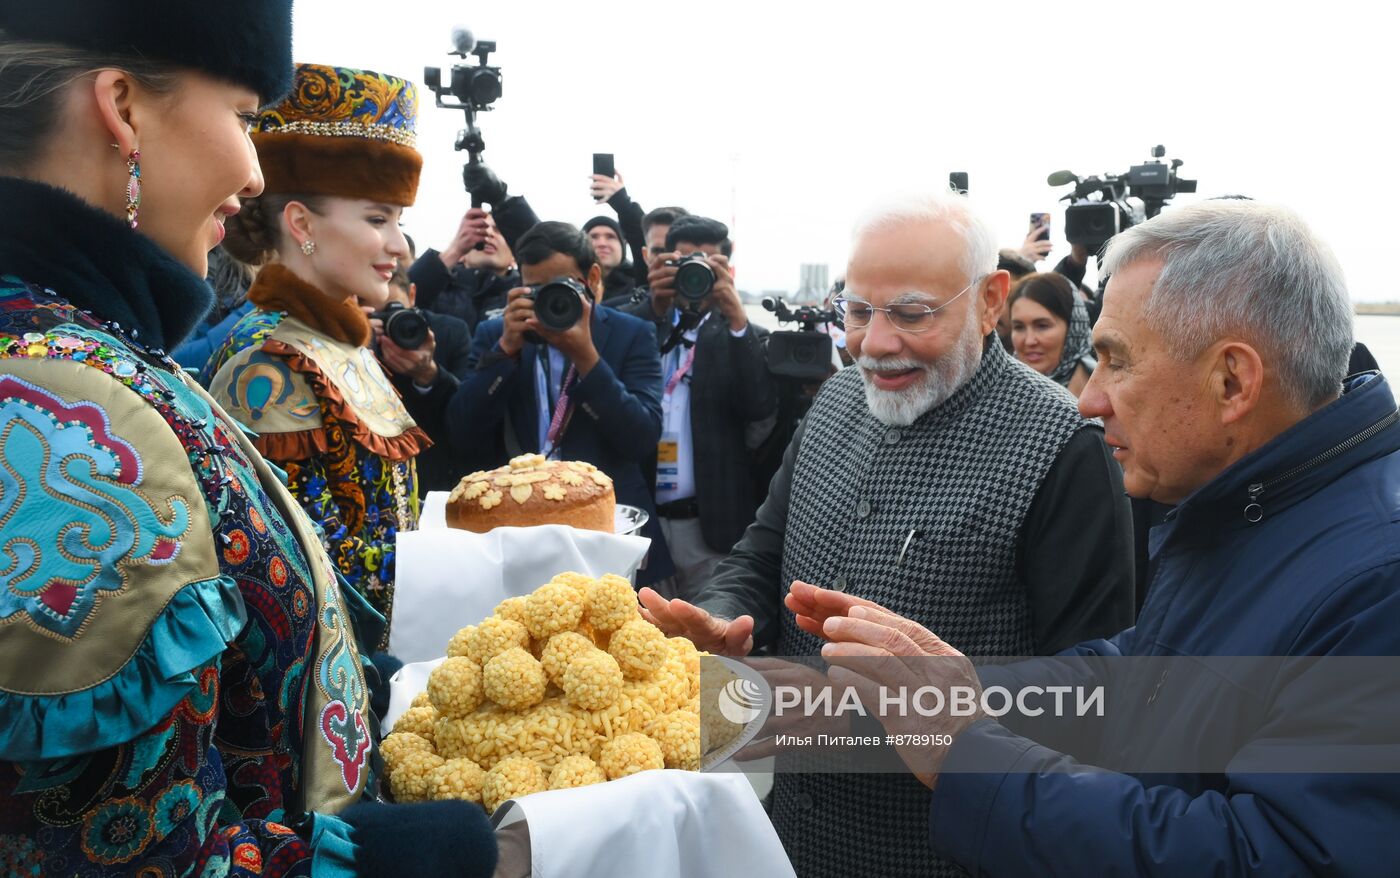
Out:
{"x": 960, "y": 479}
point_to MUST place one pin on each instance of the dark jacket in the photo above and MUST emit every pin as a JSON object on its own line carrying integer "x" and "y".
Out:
{"x": 439, "y": 469}
{"x": 468, "y": 294}
{"x": 1317, "y": 575}
{"x": 629, "y": 216}
{"x": 616, "y": 426}
{"x": 730, "y": 388}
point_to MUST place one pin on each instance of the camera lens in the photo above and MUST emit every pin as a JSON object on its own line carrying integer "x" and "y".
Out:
{"x": 407, "y": 327}
{"x": 694, "y": 280}
{"x": 558, "y": 306}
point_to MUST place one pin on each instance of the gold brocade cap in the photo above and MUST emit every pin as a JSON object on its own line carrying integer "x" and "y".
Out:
{"x": 342, "y": 132}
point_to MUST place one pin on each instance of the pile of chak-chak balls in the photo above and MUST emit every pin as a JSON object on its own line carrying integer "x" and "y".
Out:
{"x": 565, "y": 687}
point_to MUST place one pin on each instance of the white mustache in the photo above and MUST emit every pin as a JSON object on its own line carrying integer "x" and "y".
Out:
{"x": 889, "y": 364}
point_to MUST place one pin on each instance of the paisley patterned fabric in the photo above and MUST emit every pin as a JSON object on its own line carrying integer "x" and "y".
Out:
{"x": 346, "y": 102}
{"x": 345, "y": 472}
{"x": 273, "y": 723}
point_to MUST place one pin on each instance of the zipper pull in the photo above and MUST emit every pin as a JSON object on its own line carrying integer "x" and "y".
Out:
{"x": 1254, "y": 513}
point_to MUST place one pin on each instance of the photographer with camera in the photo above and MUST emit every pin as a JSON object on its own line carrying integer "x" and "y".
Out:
{"x": 560, "y": 376}
{"x": 426, "y": 355}
{"x": 716, "y": 385}
{"x": 470, "y": 277}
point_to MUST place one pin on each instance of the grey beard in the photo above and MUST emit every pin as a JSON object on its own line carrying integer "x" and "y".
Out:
{"x": 939, "y": 381}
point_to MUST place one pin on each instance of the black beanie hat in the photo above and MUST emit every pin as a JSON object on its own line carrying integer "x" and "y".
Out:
{"x": 248, "y": 42}
{"x": 604, "y": 221}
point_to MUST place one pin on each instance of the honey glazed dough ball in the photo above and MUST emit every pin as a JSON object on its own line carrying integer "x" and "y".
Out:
{"x": 455, "y": 687}
{"x": 510, "y": 779}
{"x": 494, "y": 636}
{"x": 514, "y": 608}
{"x": 592, "y": 680}
{"x": 562, "y": 649}
{"x": 421, "y": 700}
{"x": 630, "y": 753}
{"x": 575, "y": 771}
{"x": 457, "y": 779}
{"x": 419, "y": 720}
{"x": 611, "y": 603}
{"x": 552, "y": 609}
{"x": 412, "y": 777}
{"x": 394, "y": 746}
{"x": 678, "y": 735}
{"x": 640, "y": 649}
{"x": 515, "y": 679}
{"x": 458, "y": 645}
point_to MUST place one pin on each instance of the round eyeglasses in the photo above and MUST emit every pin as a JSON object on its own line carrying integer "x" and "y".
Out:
{"x": 903, "y": 316}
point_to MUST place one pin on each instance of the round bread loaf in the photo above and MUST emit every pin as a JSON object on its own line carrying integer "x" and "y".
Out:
{"x": 533, "y": 491}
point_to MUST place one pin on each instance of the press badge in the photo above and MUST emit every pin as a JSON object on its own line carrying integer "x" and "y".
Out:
{"x": 668, "y": 462}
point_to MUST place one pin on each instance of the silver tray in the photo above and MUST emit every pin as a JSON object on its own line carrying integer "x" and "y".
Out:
{"x": 627, "y": 520}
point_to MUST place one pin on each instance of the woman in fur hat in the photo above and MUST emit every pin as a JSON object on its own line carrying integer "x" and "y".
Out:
{"x": 181, "y": 683}
{"x": 340, "y": 165}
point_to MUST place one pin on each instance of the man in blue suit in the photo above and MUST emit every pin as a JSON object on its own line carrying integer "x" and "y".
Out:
{"x": 591, "y": 392}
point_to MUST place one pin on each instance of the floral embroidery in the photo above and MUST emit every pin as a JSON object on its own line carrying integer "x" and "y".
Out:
{"x": 117, "y": 832}
{"x": 175, "y": 806}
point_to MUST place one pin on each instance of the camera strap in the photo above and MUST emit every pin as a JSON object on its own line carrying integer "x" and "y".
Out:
{"x": 686, "y": 321}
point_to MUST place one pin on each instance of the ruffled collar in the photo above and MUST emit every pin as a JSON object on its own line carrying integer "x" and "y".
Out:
{"x": 51, "y": 238}
{"x": 278, "y": 288}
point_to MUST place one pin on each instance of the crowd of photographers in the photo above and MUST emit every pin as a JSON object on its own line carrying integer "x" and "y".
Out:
{"x": 623, "y": 343}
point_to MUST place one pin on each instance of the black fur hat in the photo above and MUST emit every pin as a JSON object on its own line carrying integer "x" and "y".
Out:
{"x": 248, "y": 42}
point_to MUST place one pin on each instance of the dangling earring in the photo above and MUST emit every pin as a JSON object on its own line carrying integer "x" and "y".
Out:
{"x": 133, "y": 187}
{"x": 308, "y": 246}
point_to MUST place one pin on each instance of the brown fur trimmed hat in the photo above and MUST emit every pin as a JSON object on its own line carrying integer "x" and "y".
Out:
{"x": 248, "y": 42}
{"x": 342, "y": 132}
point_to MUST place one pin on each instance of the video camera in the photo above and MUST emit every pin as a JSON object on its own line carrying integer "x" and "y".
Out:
{"x": 805, "y": 354}
{"x": 1122, "y": 201}
{"x": 473, "y": 88}
{"x": 405, "y": 326}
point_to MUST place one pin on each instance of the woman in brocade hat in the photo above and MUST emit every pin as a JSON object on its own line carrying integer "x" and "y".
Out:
{"x": 181, "y": 683}
{"x": 340, "y": 166}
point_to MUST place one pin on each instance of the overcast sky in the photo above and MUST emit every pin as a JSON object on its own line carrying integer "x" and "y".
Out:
{"x": 787, "y": 118}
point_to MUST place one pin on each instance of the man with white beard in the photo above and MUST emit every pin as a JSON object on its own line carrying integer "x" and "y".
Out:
{"x": 939, "y": 478}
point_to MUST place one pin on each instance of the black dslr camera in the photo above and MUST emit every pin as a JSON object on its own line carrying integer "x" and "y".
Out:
{"x": 405, "y": 326}
{"x": 559, "y": 303}
{"x": 1101, "y": 207}
{"x": 805, "y": 354}
{"x": 695, "y": 279}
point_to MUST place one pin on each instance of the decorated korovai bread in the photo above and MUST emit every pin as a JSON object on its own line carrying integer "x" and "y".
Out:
{"x": 531, "y": 491}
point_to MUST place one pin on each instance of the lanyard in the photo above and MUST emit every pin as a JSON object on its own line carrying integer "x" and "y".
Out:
{"x": 681, "y": 371}
{"x": 563, "y": 413}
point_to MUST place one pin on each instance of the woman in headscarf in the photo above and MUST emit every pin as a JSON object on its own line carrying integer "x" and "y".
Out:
{"x": 181, "y": 683}
{"x": 340, "y": 166}
{"x": 1050, "y": 329}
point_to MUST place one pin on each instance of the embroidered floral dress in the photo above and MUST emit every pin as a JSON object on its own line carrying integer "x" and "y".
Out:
{"x": 180, "y": 680}
{"x": 296, "y": 371}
